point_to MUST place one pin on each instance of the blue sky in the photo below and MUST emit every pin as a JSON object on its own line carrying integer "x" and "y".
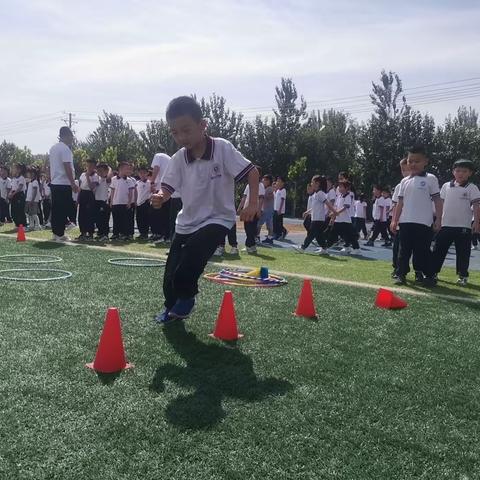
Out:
{"x": 131, "y": 57}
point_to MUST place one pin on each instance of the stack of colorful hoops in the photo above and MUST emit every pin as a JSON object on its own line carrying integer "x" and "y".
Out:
{"x": 245, "y": 278}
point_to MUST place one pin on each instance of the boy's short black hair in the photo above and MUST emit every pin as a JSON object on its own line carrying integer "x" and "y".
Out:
{"x": 345, "y": 184}
{"x": 464, "y": 163}
{"x": 344, "y": 174}
{"x": 378, "y": 187}
{"x": 91, "y": 161}
{"x": 143, "y": 168}
{"x": 181, "y": 106}
{"x": 418, "y": 148}
{"x": 281, "y": 178}
{"x": 321, "y": 181}
{"x": 64, "y": 131}
{"x": 102, "y": 166}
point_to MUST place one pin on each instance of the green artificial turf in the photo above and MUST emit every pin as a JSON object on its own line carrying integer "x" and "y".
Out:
{"x": 356, "y": 269}
{"x": 361, "y": 393}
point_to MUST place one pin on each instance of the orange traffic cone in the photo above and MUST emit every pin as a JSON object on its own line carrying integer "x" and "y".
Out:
{"x": 387, "y": 299}
{"x": 306, "y": 305}
{"x": 226, "y": 326}
{"x": 110, "y": 356}
{"x": 21, "y": 234}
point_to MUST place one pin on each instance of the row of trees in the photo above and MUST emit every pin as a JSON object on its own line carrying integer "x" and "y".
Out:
{"x": 298, "y": 143}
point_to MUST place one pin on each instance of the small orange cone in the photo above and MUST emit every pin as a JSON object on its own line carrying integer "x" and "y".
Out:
{"x": 21, "y": 234}
{"x": 110, "y": 356}
{"x": 226, "y": 326}
{"x": 306, "y": 304}
{"x": 387, "y": 299}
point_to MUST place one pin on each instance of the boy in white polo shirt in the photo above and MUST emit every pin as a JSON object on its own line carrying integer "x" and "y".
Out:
{"x": 379, "y": 217}
{"x": 5, "y": 187}
{"x": 280, "y": 198}
{"x": 414, "y": 215}
{"x": 121, "y": 200}
{"x": 102, "y": 207}
{"x": 88, "y": 182}
{"x": 459, "y": 198}
{"x": 342, "y": 222}
{"x": 160, "y": 219}
{"x": 204, "y": 170}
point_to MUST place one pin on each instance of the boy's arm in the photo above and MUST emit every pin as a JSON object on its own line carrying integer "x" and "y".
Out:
{"x": 112, "y": 193}
{"x": 130, "y": 197}
{"x": 438, "y": 213}
{"x": 396, "y": 215}
{"x": 248, "y": 214}
{"x": 476, "y": 217}
{"x": 332, "y": 210}
{"x": 241, "y": 204}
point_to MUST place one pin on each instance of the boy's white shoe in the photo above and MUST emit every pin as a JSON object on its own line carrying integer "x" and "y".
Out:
{"x": 219, "y": 252}
{"x": 251, "y": 249}
{"x": 234, "y": 251}
{"x": 346, "y": 250}
{"x": 474, "y": 247}
{"x": 299, "y": 248}
{"x": 321, "y": 251}
{"x": 63, "y": 238}
{"x": 356, "y": 251}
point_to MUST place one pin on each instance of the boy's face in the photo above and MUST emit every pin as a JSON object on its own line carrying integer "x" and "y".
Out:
{"x": 90, "y": 168}
{"x": 405, "y": 169}
{"x": 342, "y": 189}
{"x": 385, "y": 194}
{"x": 102, "y": 172}
{"x": 143, "y": 174}
{"x": 187, "y": 132}
{"x": 311, "y": 188}
{"x": 266, "y": 182}
{"x": 376, "y": 192}
{"x": 462, "y": 174}
{"x": 417, "y": 163}
{"x": 279, "y": 184}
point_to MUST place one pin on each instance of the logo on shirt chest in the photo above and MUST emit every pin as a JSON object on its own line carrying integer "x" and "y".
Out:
{"x": 216, "y": 173}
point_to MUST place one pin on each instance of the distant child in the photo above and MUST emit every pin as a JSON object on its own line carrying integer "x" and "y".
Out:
{"x": 345, "y": 177}
{"x": 360, "y": 216}
{"x": 17, "y": 194}
{"x": 32, "y": 199}
{"x": 251, "y": 226}
{"x": 386, "y": 194}
{"x": 232, "y": 241}
{"x": 342, "y": 221}
{"x": 414, "y": 215}
{"x": 102, "y": 204}
{"x": 5, "y": 187}
{"x": 459, "y": 197}
{"x": 268, "y": 210}
{"x": 279, "y": 230}
{"x": 379, "y": 217}
{"x": 73, "y": 210}
{"x": 317, "y": 213}
{"x": 405, "y": 169}
{"x": 307, "y": 217}
{"x": 88, "y": 183}
{"x": 121, "y": 200}
{"x": 143, "y": 192}
{"x": 204, "y": 170}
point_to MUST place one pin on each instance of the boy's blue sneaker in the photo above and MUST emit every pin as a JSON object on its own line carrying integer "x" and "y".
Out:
{"x": 163, "y": 318}
{"x": 182, "y": 308}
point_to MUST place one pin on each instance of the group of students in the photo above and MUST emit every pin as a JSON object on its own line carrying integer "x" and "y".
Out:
{"x": 421, "y": 220}
{"x": 25, "y": 197}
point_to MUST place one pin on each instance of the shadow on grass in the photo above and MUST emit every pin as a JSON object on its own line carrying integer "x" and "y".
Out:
{"x": 47, "y": 245}
{"x": 108, "y": 378}
{"x": 216, "y": 372}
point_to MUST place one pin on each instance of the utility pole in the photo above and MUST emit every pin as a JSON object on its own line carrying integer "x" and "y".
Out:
{"x": 69, "y": 120}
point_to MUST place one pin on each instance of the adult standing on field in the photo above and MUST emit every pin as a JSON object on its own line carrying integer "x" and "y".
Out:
{"x": 62, "y": 183}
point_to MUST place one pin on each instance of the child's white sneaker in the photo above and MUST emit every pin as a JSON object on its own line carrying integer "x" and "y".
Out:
{"x": 462, "y": 281}
{"x": 346, "y": 250}
{"x": 219, "y": 252}
{"x": 234, "y": 251}
{"x": 251, "y": 249}
{"x": 321, "y": 251}
{"x": 356, "y": 251}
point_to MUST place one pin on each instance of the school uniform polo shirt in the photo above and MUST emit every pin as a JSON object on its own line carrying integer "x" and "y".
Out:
{"x": 457, "y": 202}
{"x": 377, "y": 213}
{"x": 343, "y": 201}
{"x": 94, "y": 179}
{"x": 318, "y": 206}
{"x": 206, "y": 184}
{"x": 396, "y": 193}
{"x": 121, "y": 186}
{"x": 144, "y": 191}
{"x": 277, "y": 202}
{"x": 32, "y": 185}
{"x": 246, "y": 192}
{"x": 101, "y": 192}
{"x": 360, "y": 209}
{"x": 18, "y": 184}
{"x": 5, "y": 185}
{"x": 417, "y": 193}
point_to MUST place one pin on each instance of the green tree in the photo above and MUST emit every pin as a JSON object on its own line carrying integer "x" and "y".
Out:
{"x": 156, "y": 138}
{"x": 113, "y": 131}
{"x": 11, "y": 154}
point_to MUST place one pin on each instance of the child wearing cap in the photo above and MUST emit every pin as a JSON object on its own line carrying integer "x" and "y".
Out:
{"x": 204, "y": 170}
{"x": 459, "y": 198}
{"x": 413, "y": 214}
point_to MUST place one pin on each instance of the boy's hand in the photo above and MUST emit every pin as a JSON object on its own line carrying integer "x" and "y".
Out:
{"x": 75, "y": 188}
{"x": 393, "y": 227}
{"x": 437, "y": 225}
{"x": 249, "y": 214}
{"x": 157, "y": 200}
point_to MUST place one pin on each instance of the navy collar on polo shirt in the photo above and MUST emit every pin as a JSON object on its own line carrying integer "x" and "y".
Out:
{"x": 454, "y": 183}
{"x": 207, "y": 155}
{"x": 422, "y": 174}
